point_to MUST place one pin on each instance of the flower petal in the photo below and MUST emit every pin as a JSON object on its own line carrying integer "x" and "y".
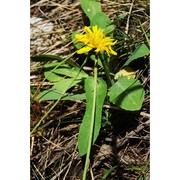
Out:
{"x": 84, "y": 50}
{"x": 112, "y": 52}
{"x": 95, "y": 39}
{"x": 87, "y": 30}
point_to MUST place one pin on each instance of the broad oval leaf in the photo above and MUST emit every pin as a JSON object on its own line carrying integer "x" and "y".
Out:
{"x": 84, "y": 132}
{"x": 90, "y": 7}
{"x": 127, "y": 94}
{"x": 101, "y": 20}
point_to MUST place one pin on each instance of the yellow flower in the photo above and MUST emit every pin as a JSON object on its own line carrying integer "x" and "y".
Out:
{"x": 95, "y": 39}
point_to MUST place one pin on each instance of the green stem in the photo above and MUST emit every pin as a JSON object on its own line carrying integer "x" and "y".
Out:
{"x": 92, "y": 120}
{"x": 106, "y": 69}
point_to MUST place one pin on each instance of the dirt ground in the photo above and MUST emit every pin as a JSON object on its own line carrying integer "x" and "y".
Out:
{"x": 125, "y": 142}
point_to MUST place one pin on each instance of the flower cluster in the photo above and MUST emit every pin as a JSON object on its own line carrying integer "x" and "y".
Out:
{"x": 95, "y": 39}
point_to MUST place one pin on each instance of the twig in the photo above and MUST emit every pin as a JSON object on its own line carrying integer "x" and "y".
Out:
{"x": 59, "y": 173}
{"x": 91, "y": 172}
{"x": 124, "y": 140}
{"x": 32, "y": 145}
{"x": 43, "y": 84}
{"x": 70, "y": 163}
{"x": 127, "y": 24}
{"x": 38, "y": 3}
{"x": 38, "y": 172}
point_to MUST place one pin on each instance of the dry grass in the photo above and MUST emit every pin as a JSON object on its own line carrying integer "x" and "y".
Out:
{"x": 54, "y": 153}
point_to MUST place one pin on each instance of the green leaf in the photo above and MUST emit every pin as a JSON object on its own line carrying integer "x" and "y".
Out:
{"x": 90, "y": 7}
{"x": 139, "y": 52}
{"x": 74, "y": 97}
{"x": 52, "y": 77}
{"x": 54, "y": 64}
{"x": 63, "y": 70}
{"x": 126, "y": 93}
{"x": 106, "y": 173}
{"x": 122, "y": 16}
{"x": 109, "y": 29}
{"x": 135, "y": 168}
{"x": 50, "y": 94}
{"x": 71, "y": 72}
{"x": 101, "y": 20}
{"x": 53, "y": 94}
{"x": 84, "y": 132}
{"x": 45, "y": 58}
{"x": 65, "y": 84}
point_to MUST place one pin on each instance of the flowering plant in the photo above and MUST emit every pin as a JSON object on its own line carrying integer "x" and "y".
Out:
{"x": 123, "y": 90}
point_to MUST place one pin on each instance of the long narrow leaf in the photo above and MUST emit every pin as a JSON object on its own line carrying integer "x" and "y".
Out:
{"x": 85, "y": 133}
{"x": 47, "y": 58}
{"x": 53, "y": 94}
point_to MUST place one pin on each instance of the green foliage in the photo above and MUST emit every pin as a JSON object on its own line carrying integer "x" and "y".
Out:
{"x": 60, "y": 73}
{"x": 53, "y": 94}
{"x": 45, "y": 58}
{"x": 101, "y": 20}
{"x": 52, "y": 77}
{"x": 50, "y": 94}
{"x": 139, "y": 52}
{"x": 127, "y": 94}
{"x": 90, "y": 7}
{"x": 106, "y": 173}
{"x": 70, "y": 72}
{"x": 87, "y": 123}
{"x": 65, "y": 84}
{"x": 140, "y": 169}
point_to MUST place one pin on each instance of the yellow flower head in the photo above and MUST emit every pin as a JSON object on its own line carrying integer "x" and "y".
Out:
{"x": 95, "y": 39}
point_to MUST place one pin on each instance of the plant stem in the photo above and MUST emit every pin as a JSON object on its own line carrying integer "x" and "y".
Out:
{"x": 92, "y": 120}
{"x": 106, "y": 69}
